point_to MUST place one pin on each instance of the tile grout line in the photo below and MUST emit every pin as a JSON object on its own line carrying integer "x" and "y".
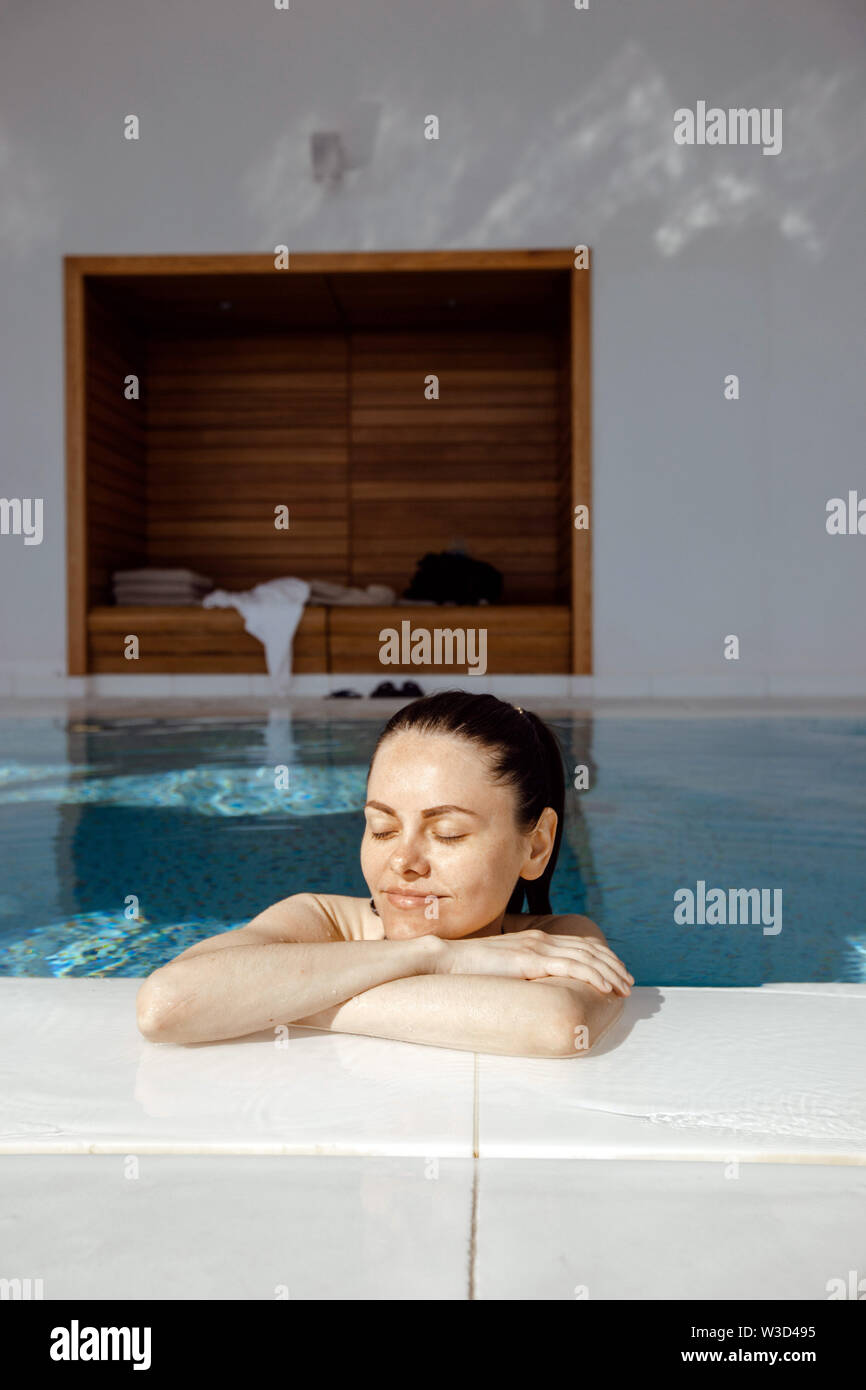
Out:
{"x": 475, "y": 1105}
{"x": 473, "y": 1213}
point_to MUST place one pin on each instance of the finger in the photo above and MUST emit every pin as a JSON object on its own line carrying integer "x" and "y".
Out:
{"x": 593, "y": 977}
{"x": 581, "y": 948}
{"x": 612, "y": 969}
{"x": 591, "y": 944}
{"x": 575, "y": 970}
{"x": 588, "y": 941}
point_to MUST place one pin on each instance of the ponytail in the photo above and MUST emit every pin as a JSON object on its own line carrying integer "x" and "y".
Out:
{"x": 537, "y": 890}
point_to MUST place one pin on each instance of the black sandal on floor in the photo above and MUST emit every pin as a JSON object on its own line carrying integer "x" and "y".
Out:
{"x": 385, "y": 690}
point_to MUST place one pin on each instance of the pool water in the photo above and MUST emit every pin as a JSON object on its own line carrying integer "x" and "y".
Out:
{"x": 124, "y": 841}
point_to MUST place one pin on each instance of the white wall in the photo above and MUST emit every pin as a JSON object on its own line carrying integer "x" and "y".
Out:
{"x": 556, "y": 127}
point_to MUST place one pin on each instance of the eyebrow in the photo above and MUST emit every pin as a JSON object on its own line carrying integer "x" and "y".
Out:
{"x": 431, "y": 811}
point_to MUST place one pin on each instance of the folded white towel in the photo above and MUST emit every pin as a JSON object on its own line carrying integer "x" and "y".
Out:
{"x": 175, "y": 587}
{"x": 158, "y": 586}
{"x": 157, "y": 600}
{"x": 271, "y": 612}
{"x": 169, "y": 576}
{"x": 147, "y": 592}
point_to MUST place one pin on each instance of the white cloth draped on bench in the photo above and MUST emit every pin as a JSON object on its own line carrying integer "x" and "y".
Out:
{"x": 271, "y": 612}
{"x": 323, "y": 592}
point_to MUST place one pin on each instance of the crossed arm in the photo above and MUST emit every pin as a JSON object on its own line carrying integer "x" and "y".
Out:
{"x": 479, "y": 1013}
{"x": 291, "y": 964}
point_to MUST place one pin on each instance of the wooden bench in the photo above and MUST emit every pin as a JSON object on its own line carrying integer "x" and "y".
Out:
{"x": 195, "y": 640}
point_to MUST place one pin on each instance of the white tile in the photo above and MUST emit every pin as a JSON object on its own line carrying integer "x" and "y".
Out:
{"x": 431, "y": 681}
{"x": 675, "y": 1078}
{"x": 238, "y": 1228}
{"x": 34, "y": 707}
{"x": 730, "y": 682}
{"x": 312, "y": 685}
{"x": 210, "y": 685}
{"x": 513, "y": 687}
{"x": 364, "y": 685}
{"x": 260, "y": 685}
{"x": 132, "y": 685}
{"x": 305, "y": 686}
{"x": 766, "y": 1076}
{"x": 819, "y": 684}
{"x": 318, "y": 707}
{"x": 628, "y": 686}
{"x": 807, "y": 987}
{"x": 37, "y": 680}
{"x": 33, "y": 686}
{"x": 630, "y": 1230}
{"x": 79, "y": 1078}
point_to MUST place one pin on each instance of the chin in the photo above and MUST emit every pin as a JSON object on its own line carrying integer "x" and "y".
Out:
{"x": 403, "y": 930}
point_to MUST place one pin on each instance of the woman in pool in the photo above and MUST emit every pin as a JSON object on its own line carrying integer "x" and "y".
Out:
{"x": 464, "y": 816}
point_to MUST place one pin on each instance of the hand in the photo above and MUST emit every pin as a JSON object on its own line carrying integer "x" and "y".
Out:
{"x": 534, "y": 955}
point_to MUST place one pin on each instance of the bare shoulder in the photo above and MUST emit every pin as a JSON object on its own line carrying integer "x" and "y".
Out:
{"x": 353, "y": 919}
{"x": 567, "y": 924}
{"x": 303, "y": 917}
{"x": 318, "y": 917}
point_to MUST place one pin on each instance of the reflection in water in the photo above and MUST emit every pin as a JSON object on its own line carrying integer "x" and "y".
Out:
{"x": 207, "y": 791}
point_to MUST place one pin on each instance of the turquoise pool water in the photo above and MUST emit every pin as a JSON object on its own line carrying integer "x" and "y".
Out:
{"x": 184, "y": 817}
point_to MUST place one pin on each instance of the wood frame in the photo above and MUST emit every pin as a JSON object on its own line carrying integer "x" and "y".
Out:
{"x": 79, "y": 268}
{"x": 76, "y": 479}
{"x": 581, "y": 472}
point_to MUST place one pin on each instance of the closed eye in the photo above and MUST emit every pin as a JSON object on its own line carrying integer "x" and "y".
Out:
{"x": 383, "y": 835}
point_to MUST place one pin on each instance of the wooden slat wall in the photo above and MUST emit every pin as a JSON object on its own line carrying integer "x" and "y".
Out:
{"x": 236, "y": 427}
{"x": 581, "y": 472}
{"x": 115, "y": 451}
{"x": 519, "y": 639}
{"x": 480, "y": 463}
{"x": 204, "y": 640}
{"x": 564, "y": 504}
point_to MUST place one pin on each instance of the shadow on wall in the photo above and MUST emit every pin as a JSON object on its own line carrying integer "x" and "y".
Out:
{"x": 609, "y": 155}
{"x": 603, "y": 161}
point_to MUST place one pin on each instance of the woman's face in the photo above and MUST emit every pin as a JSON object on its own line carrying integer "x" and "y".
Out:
{"x": 442, "y": 831}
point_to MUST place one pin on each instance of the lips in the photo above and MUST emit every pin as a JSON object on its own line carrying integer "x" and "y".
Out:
{"x": 407, "y": 897}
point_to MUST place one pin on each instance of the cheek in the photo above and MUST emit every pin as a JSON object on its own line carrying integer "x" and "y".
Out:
{"x": 480, "y": 868}
{"x": 371, "y": 850}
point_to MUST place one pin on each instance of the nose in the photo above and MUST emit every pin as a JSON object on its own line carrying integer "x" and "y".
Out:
{"x": 408, "y": 856}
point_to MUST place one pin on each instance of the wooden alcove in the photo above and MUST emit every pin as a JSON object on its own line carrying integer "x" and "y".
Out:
{"x": 306, "y": 387}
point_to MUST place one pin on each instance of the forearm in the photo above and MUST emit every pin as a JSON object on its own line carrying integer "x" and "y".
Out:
{"x": 245, "y": 989}
{"x": 472, "y": 1013}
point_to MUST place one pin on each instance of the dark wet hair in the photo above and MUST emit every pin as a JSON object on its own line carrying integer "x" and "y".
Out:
{"x": 523, "y": 752}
